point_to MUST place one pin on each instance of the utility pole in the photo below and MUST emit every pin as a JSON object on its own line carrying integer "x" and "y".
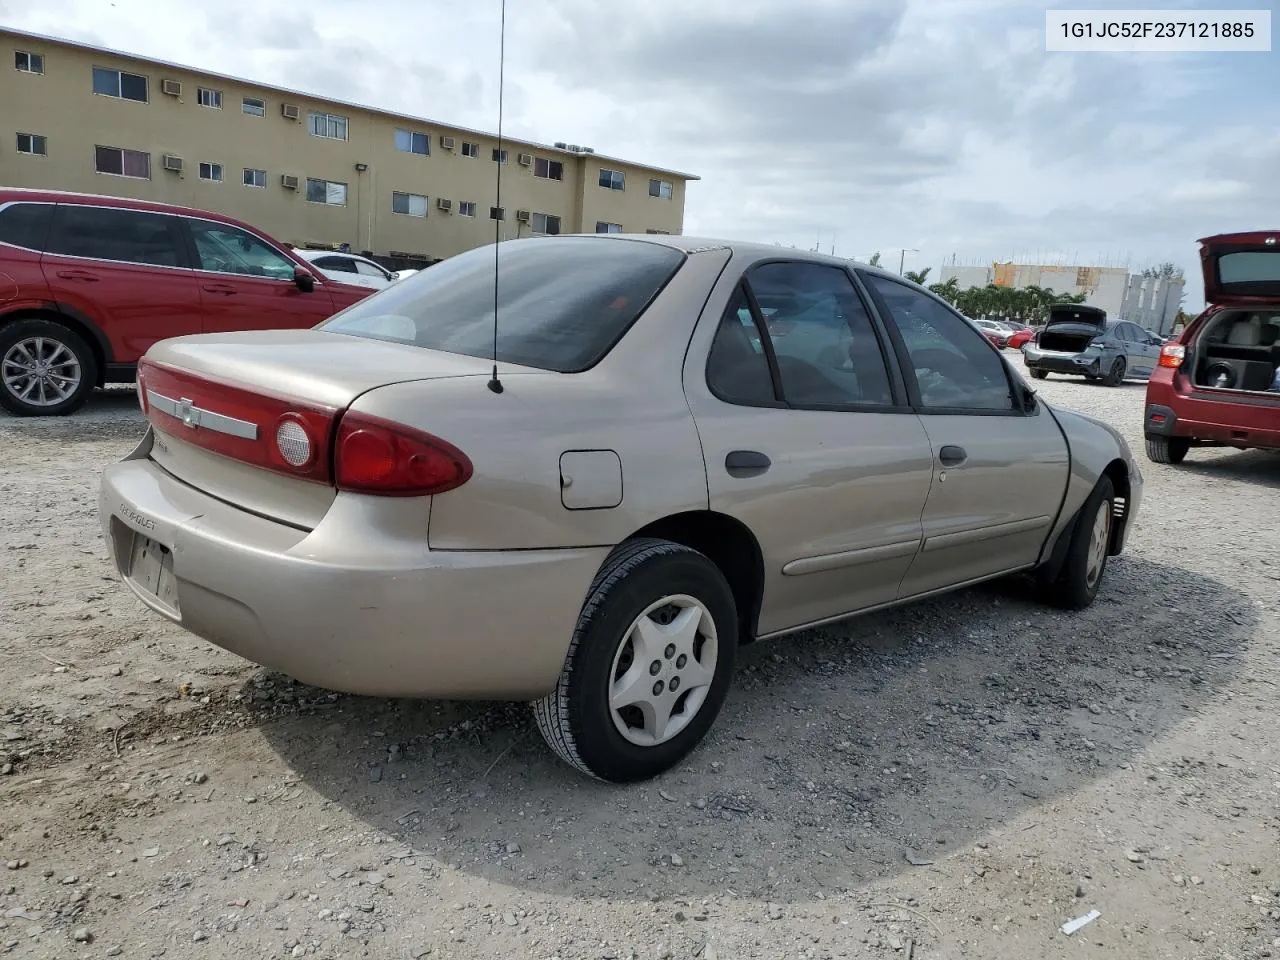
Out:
{"x": 902, "y": 259}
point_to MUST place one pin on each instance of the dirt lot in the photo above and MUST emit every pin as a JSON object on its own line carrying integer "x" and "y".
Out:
{"x": 955, "y": 779}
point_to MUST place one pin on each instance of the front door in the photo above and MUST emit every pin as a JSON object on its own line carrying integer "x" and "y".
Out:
{"x": 999, "y": 471}
{"x": 247, "y": 284}
{"x": 1143, "y": 355}
{"x": 125, "y": 269}
{"x": 808, "y": 440}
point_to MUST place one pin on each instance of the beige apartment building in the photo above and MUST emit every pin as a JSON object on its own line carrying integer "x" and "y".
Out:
{"x": 309, "y": 171}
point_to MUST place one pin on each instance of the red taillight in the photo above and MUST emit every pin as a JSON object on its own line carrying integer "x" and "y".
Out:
{"x": 376, "y": 456}
{"x": 1172, "y": 354}
{"x": 276, "y": 433}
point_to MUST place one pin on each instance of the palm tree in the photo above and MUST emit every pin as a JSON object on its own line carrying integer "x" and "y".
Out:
{"x": 948, "y": 290}
{"x": 875, "y": 259}
{"x": 918, "y": 276}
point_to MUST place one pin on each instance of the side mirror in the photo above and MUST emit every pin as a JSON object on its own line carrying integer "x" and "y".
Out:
{"x": 304, "y": 278}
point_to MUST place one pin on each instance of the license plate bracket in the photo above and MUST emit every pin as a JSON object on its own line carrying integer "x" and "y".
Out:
{"x": 151, "y": 571}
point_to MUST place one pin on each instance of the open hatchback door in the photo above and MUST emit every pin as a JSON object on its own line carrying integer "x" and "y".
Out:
{"x": 1241, "y": 268}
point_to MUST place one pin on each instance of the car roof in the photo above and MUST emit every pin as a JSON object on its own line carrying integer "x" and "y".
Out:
{"x": 35, "y": 195}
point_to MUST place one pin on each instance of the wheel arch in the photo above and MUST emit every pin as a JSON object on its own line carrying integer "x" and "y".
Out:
{"x": 731, "y": 546}
{"x": 73, "y": 320}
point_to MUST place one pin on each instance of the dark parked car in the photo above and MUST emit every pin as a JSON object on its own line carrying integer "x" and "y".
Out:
{"x": 1079, "y": 340}
{"x": 1218, "y": 384}
{"x": 88, "y": 283}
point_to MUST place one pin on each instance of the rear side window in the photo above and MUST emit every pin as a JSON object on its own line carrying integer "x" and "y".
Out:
{"x": 563, "y": 302}
{"x": 26, "y": 224}
{"x": 128, "y": 236}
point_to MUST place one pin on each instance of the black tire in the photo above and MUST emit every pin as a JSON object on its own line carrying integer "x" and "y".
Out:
{"x": 1168, "y": 449}
{"x": 1040, "y": 374}
{"x": 1115, "y": 376}
{"x": 52, "y": 332}
{"x": 576, "y": 718}
{"x": 1074, "y": 588}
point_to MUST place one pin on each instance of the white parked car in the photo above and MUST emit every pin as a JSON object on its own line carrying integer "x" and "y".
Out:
{"x": 350, "y": 268}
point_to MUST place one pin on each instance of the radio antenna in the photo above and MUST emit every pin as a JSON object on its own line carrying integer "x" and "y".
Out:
{"x": 495, "y": 384}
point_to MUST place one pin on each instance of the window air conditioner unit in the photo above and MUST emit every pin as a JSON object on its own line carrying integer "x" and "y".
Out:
{"x": 447, "y": 143}
{"x": 522, "y": 216}
{"x": 526, "y": 159}
{"x": 290, "y": 111}
{"x": 172, "y": 88}
{"x": 443, "y": 204}
{"x": 288, "y": 181}
{"x": 173, "y": 163}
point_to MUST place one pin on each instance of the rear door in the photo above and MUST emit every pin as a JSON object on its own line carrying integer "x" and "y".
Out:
{"x": 126, "y": 269}
{"x": 998, "y": 470}
{"x": 1141, "y": 352}
{"x": 809, "y": 441}
{"x": 246, "y": 283}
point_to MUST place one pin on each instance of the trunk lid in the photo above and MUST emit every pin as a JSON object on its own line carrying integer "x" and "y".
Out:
{"x": 1071, "y": 327}
{"x": 215, "y": 402}
{"x": 1241, "y": 268}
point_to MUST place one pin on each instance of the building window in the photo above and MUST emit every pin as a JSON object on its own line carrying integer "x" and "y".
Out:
{"x": 211, "y": 171}
{"x": 409, "y": 204}
{"x": 548, "y": 169}
{"x": 327, "y": 125}
{"x": 499, "y": 156}
{"x": 255, "y": 178}
{"x": 545, "y": 223}
{"x": 253, "y": 106}
{"x": 662, "y": 232}
{"x": 33, "y": 144}
{"x": 471, "y": 150}
{"x": 466, "y": 208}
{"x": 497, "y": 213}
{"x": 407, "y": 141}
{"x": 209, "y": 98}
{"x": 326, "y": 191}
{"x": 660, "y": 189}
{"x": 28, "y": 62}
{"x": 122, "y": 163}
{"x": 603, "y": 227}
{"x": 117, "y": 83}
{"x": 613, "y": 180}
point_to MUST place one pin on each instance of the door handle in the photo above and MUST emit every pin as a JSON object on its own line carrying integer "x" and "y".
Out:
{"x": 952, "y": 456}
{"x": 225, "y": 289}
{"x": 77, "y": 275}
{"x": 745, "y": 463}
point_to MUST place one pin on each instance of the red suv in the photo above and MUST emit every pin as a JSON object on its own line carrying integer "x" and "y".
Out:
{"x": 88, "y": 283}
{"x": 1219, "y": 383}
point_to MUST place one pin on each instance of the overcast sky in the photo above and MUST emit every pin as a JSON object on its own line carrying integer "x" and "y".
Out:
{"x": 940, "y": 125}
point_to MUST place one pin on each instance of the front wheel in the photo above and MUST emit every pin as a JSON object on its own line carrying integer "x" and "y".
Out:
{"x": 1076, "y": 585}
{"x": 1040, "y": 374}
{"x": 1167, "y": 449}
{"x": 46, "y": 369}
{"x": 649, "y": 665}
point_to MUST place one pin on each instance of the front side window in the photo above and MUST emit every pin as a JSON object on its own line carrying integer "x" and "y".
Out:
{"x": 127, "y": 236}
{"x": 660, "y": 189}
{"x": 253, "y": 106}
{"x": 122, "y": 163}
{"x": 545, "y": 223}
{"x": 603, "y": 226}
{"x": 411, "y": 141}
{"x": 563, "y": 301}
{"x": 223, "y": 248}
{"x": 370, "y": 270}
{"x": 326, "y": 191}
{"x": 28, "y": 62}
{"x": 327, "y": 125}
{"x": 409, "y": 204}
{"x": 117, "y": 83}
{"x": 34, "y": 144}
{"x": 955, "y": 367}
{"x": 548, "y": 169}
{"x": 209, "y": 98}
{"x": 613, "y": 180}
{"x": 826, "y": 347}
{"x": 254, "y": 177}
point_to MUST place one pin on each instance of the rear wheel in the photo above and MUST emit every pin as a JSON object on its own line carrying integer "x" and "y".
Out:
{"x": 649, "y": 665}
{"x": 1077, "y": 583}
{"x": 1167, "y": 449}
{"x": 46, "y": 369}
{"x": 1115, "y": 376}
{"x": 1040, "y": 374}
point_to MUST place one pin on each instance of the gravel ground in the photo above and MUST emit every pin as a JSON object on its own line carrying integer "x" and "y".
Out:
{"x": 953, "y": 779}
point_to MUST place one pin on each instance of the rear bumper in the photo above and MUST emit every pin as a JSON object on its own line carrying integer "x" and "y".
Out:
{"x": 1054, "y": 362}
{"x": 1164, "y": 421}
{"x": 1175, "y": 409}
{"x": 351, "y": 606}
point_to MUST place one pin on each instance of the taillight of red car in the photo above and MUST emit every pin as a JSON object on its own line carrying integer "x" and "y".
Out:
{"x": 376, "y": 456}
{"x": 1172, "y": 355}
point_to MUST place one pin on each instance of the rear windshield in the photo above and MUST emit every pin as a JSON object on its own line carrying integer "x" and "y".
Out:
{"x": 563, "y": 302}
{"x": 1255, "y": 272}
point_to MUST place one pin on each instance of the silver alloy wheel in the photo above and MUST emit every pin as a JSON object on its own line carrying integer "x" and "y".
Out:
{"x": 41, "y": 371}
{"x": 663, "y": 670}
{"x": 1099, "y": 538}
